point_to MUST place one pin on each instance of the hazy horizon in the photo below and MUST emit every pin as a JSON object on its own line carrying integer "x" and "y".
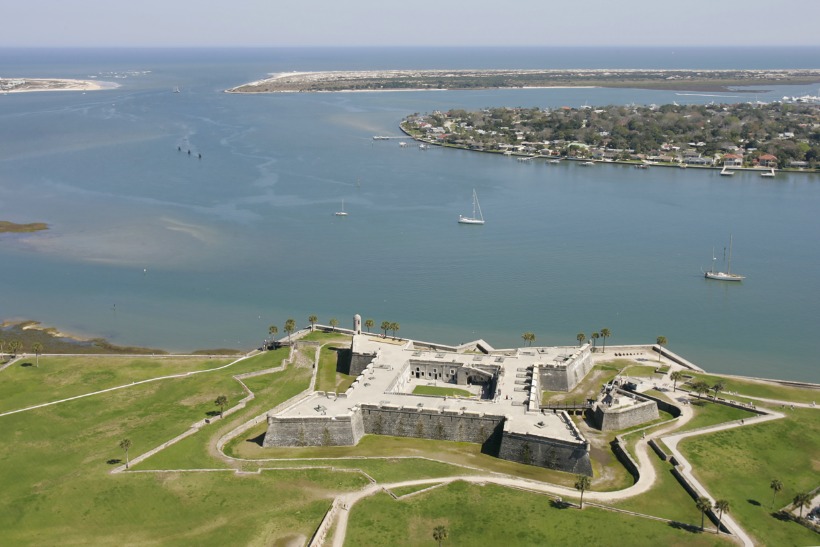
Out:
{"x": 368, "y": 23}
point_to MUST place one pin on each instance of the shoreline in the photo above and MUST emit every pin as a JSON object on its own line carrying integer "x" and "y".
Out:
{"x": 717, "y": 168}
{"x": 685, "y": 80}
{"x": 72, "y": 340}
{"x": 33, "y": 85}
{"x": 57, "y": 341}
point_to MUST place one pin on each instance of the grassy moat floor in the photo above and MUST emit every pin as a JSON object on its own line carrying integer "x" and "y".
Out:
{"x": 58, "y": 487}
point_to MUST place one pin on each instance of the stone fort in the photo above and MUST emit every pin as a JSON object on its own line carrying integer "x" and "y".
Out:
{"x": 502, "y": 412}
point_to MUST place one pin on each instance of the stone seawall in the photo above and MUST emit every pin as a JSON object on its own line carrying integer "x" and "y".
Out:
{"x": 314, "y": 430}
{"x": 545, "y": 452}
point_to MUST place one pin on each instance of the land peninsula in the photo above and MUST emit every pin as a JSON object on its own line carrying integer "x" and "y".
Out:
{"x": 13, "y": 227}
{"x": 779, "y": 135}
{"x": 393, "y": 80}
{"x": 23, "y": 85}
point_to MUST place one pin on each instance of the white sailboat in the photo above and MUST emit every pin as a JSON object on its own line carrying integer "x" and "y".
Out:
{"x": 727, "y": 275}
{"x": 477, "y": 217}
{"x": 342, "y": 213}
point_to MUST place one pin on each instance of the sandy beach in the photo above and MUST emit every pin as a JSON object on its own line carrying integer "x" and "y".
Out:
{"x": 25, "y": 85}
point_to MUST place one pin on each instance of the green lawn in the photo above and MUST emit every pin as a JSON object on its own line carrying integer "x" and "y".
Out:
{"x": 642, "y": 371}
{"x": 194, "y": 451}
{"x": 766, "y": 390}
{"x": 708, "y": 413}
{"x": 328, "y": 379}
{"x": 383, "y": 446}
{"x": 442, "y": 391}
{"x": 57, "y": 488}
{"x": 739, "y": 464}
{"x": 59, "y": 377}
{"x": 666, "y": 499}
{"x": 491, "y": 515}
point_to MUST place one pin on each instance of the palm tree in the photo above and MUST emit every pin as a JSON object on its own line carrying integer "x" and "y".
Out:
{"x": 369, "y": 324}
{"x": 605, "y": 333}
{"x": 125, "y": 444}
{"x": 703, "y": 505}
{"x": 722, "y": 506}
{"x": 312, "y": 319}
{"x": 272, "y": 330}
{"x": 528, "y": 337}
{"x": 801, "y": 500}
{"x": 594, "y": 337}
{"x": 334, "y": 323}
{"x": 290, "y": 326}
{"x": 582, "y": 482}
{"x": 38, "y": 349}
{"x": 581, "y": 337}
{"x": 394, "y": 327}
{"x": 675, "y": 376}
{"x": 717, "y": 387}
{"x": 221, "y": 401}
{"x": 776, "y": 487}
{"x": 439, "y": 534}
{"x": 385, "y": 326}
{"x": 700, "y": 387}
{"x": 15, "y": 346}
{"x": 661, "y": 341}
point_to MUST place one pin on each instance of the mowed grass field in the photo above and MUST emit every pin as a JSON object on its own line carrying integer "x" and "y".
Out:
{"x": 57, "y": 489}
{"x": 492, "y": 515}
{"x": 739, "y": 464}
{"x": 58, "y": 377}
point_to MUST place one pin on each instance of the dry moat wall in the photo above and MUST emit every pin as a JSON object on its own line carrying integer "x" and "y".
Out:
{"x": 484, "y": 429}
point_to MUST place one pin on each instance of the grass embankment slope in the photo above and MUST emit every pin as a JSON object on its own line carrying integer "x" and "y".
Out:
{"x": 57, "y": 488}
{"x": 492, "y": 515}
{"x": 334, "y": 350}
{"x": 59, "y": 377}
{"x": 739, "y": 464}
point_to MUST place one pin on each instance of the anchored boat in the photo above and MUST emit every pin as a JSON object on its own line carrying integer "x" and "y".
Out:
{"x": 477, "y": 217}
{"x": 727, "y": 275}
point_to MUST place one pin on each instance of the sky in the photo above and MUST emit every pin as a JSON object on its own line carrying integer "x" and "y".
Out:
{"x": 261, "y": 23}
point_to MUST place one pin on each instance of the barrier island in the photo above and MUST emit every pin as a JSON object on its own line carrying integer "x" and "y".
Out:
{"x": 393, "y": 80}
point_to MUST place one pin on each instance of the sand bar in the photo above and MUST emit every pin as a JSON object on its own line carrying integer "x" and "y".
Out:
{"x": 25, "y": 85}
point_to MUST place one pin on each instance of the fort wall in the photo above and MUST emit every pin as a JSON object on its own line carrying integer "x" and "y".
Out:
{"x": 424, "y": 423}
{"x": 621, "y": 417}
{"x": 545, "y": 452}
{"x": 344, "y": 430}
{"x": 565, "y": 376}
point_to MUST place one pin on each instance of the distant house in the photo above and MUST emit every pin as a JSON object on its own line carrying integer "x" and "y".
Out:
{"x": 767, "y": 160}
{"x": 698, "y": 160}
{"x": 798, "y": 164}
{"x": 732, "y": 160}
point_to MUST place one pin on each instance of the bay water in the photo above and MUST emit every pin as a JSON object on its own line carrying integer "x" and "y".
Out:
{"x": 148, "y": 245}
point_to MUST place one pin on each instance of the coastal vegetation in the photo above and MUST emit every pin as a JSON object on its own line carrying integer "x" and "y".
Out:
{"x": 776, "y": 135}
{"x": 382, "y": 80}
{"x": 6, "y": 226}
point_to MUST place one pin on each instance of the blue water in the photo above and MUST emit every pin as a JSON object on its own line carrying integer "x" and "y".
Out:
{"x": 151, "y": 246}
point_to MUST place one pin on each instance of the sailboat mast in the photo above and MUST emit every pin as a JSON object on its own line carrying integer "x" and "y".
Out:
{"x": 729, "y": 262}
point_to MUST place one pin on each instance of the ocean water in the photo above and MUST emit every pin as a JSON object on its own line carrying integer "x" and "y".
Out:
{"x": 149, "y": 245}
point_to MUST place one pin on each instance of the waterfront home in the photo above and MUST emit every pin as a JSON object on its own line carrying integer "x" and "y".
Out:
{"x": 732, "y": 160}
{"x": 767, "y": 160}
